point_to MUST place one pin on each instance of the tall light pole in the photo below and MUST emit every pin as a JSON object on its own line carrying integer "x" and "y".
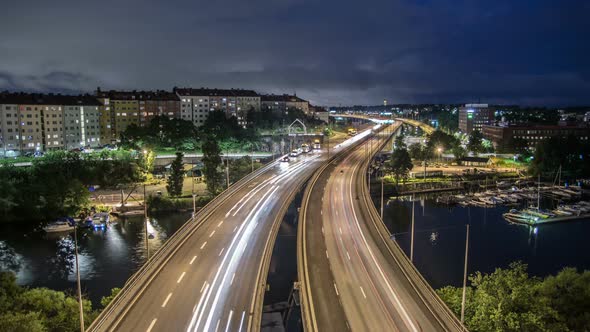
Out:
{"x": 412, "y": 233}
{"x": 465, "y": 276}
{"x": 382, "y": 176}
{"x": 145, "y": 218}
{"x": 80, "y": 305}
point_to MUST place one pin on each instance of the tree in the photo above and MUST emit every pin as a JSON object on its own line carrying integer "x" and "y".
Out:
{"x": 176, "y": 178}
{"x": 107, "y": 299}
{"x": 239, "y": 168}
{"x": 475, "y": 142}
{"x": 39, "y": 309}
{"x": 399, "y": 142}
{"x": 400, "y": 164}
{"x": 211, "y": 164}
{"x": 458, "y": 151}
{"x": 505, "y": 300}
{"x": 417, "y": 151}
{"x": 148, "y": 159}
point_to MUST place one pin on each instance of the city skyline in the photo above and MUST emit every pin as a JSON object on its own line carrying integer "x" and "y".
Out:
{"x": 529, "y": 53}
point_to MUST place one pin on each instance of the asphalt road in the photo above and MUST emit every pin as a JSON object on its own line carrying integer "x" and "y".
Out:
{"x": 210, "y": 282}
{"x": 354, "y": 281}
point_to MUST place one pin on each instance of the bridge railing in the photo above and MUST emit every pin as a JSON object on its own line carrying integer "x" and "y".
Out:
{"x": 428, "y": 295}
{"x": 110, "y": 317}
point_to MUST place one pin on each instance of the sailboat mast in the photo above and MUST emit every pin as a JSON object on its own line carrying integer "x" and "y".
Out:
{"x": 539, "y": 192}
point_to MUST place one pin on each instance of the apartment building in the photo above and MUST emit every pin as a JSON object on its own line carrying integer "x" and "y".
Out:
{"x": 534, "y": 134}
{"x": 474, "y": 117}
{"x": 41, "y": 122}
{"x": 283, "y": 103}
{"x": 157, "y": 103}
{"x": 197, "y": 103}
{"x": 81, "y": 121}
{"x": 123, "y": 110}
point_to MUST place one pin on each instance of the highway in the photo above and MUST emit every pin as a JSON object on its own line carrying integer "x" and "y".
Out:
{"x": 353, "y": 277}
{"x": 211, "y": 276}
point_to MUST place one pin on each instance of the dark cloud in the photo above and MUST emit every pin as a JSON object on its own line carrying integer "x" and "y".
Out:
{"x": 332, "y": 52}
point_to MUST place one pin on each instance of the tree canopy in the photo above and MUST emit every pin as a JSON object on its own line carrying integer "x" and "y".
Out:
{"x": 511, "y": 300}
{"x": 176, "y": 178}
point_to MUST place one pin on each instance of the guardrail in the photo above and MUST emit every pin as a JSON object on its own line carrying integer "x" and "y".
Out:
{"x": 429, "y": 297}
{"x": 138, "y": 282}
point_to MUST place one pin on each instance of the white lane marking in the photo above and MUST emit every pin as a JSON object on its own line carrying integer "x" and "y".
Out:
{"x": 203, "y": 245}
{"x": 336, "y": 289}
{"x": 166, "y": 300}
{"x": 192, "y": 260}
{"x": 322, "y": 212}
{"x": 204, "y": 283}
{"x": 242, "y": 321}
{"x": 227, "y": 214}
{"x": 322, "y": 229}
{"x": 363, "y": 291}
{"x": 151, "y": 325}
{"x": 327, "y": 255}
{"x": 235, "y": 229}
{"x": 220, "y": 223}
{"x": 405, "y": 315}
{"x": 340, "y": 229}
{"x": 231, "y": 312}
{"x": 210, "y": 235}
{"x": 347, "y": 255}
{"x": 217, "y": 326}
{"x": 236, "y": 242}
{"x": 221, "y": 252}
{"x": 201, "y": 300}
{"x": 232, "y": 278}
{"x": 180, "y": 279}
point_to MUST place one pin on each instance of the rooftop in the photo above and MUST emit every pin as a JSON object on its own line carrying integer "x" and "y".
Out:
{"x": 47, "y": 99}
{"x": 282, "y": 98}
{"x": 137, "y": 95}
{"x": 207, "y": 92}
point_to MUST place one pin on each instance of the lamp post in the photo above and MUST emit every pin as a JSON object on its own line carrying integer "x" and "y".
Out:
{"x": 439, "y": 154}
{"x": 81, "y": 307}
{"x": 145, "y": 218}
{"x": 465, "y": 276}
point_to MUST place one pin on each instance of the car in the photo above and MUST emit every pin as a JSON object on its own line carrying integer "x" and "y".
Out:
{"x": 285, "y": 159}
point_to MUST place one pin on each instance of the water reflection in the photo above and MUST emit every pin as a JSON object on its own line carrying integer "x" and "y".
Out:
{"x": 107, "y": 257}
{"x": 439, "y": 241}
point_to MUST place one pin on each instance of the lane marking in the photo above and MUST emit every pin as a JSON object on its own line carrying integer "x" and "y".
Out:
{"x": 166, "y": 300}
{"x": 232, "y": 278}
{"x": 327, "y": 255}
{"x": 217, "y": 326}
{"x": 340, "y": 229}
{"x": 363, "y": 291}
{"x": 193, "y": 260}
{"x": 203, "y": 245}
{"x": 202, "y": 298}
{"x": 235, "y": 229}
{"x": 221, "y": 252}
{"x": 231, "y": 312}
{"x": 347, "y": 255}
{"x": 210, "y": 235}
{"x": 180, "y": 279}
{"x": 336, "y": 288}
{"x": 220, "y": 223}
{"x": 204, "y": 283}
{"x": 242, "y": 321}
{"x": 151, "y": 325}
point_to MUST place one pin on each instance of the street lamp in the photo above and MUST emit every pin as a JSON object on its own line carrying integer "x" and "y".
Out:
{"x": 81, "y": 307}
{"x": 439, "y": 154}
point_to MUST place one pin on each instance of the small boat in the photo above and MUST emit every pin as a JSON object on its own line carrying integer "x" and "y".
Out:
{"x": 60, "y": 225}
{"x": 562, "y": 212}
{"x": 98, "y": 221}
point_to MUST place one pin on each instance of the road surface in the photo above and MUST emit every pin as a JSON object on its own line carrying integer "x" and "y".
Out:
{"x": 214, "y": 278}
{"x": 355, "y": 282}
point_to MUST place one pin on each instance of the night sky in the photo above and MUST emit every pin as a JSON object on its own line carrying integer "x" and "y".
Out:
{"x": 331, "y": 52}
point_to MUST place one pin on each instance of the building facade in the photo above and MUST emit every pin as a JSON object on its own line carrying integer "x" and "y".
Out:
{"x": 284, "y": 103}
{"x": 42, "y": 122}
{"x": 197, "y": 103}
{"x": 533, "y": 134}
{"x": 474, "y": 117}
{"x": 158, "y": 103}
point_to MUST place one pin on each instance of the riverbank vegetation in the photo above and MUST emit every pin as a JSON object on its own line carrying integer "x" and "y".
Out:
{"x": 512, "y": 300}
{"x": 58, "y": 184}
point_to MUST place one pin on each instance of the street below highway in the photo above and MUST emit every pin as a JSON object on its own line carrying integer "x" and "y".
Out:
{"x": 354, "y": 281}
